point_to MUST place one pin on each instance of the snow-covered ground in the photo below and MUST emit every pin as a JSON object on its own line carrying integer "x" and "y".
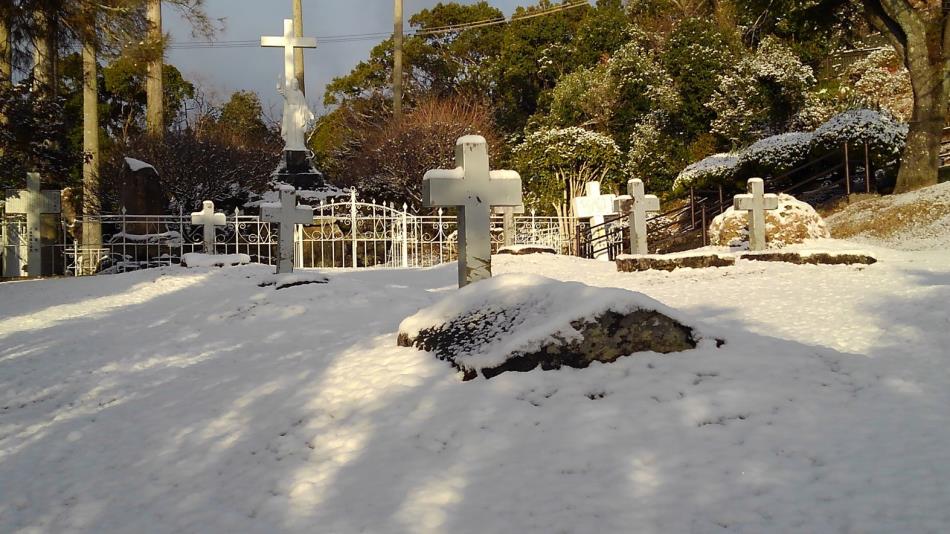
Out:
{"x": 206, "y": 400}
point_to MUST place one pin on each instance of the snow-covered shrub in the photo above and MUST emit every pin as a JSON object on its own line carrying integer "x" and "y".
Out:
{"x": 762, "y": 94}
{"x": 880, "y": 81}
{"x": 715, "y": 169}
{"x": 552, "y": 160}
{"x": 777, "y": 154}
{"x": 587, "y": 97}
{"x": 884, "y": 134}
{"x": 792, "y": 223}
{"x": 654, "y": 156}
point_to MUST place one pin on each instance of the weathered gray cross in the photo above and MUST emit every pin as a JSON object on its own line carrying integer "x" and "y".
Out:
{"x": 636, "y": 203}
{"x": 595, "y": 207}
{"x": 289, "y": 42}
{"x": 756, "y": 202}
{"x": 474, "y": 189}
{"x": 33, "y": 203}
{"x": 508, "y": 222}
{"x": 287, "y": 214}
{"x": 209, "y": 219}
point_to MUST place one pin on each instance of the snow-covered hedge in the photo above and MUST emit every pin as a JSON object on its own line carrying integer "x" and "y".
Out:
{"x": 714, "y": 169}
{"x": 781, "y": 153}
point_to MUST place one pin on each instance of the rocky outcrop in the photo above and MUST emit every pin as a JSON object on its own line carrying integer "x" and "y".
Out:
{"x": 814, "y": 258}
{"x": 523, "y": 250}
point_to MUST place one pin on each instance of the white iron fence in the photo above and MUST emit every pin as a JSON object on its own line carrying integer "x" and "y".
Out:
{"x": 343, "y": 234}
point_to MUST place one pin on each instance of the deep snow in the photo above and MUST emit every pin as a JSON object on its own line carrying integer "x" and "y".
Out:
{"x": 194, "y": 400}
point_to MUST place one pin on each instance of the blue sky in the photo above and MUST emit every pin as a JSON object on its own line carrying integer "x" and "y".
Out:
{"x": 222, "y": 71}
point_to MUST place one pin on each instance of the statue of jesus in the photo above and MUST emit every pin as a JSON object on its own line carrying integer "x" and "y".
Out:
{"x": 297, "y": 119}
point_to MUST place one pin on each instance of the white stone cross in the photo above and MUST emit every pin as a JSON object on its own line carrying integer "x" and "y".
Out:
{"x": 287, "y": 214}
{"x": 756, "y": 202}
{"x": 636, "y": 203}
{"x": 209, "y": 219}
{"x": 595, "y": 207}
{"x": 474, "y": 189}
{"x": 289, "y": 42}
{"x": 33, "y": 203}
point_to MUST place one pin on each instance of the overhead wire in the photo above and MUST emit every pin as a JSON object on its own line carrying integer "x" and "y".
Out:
{"x": 357, "y": 37}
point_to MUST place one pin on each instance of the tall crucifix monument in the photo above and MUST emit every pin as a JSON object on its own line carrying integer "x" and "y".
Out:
{"x": 32, "y": 202}
{"x": 297, "y": 119}
{"x": 287, "y": 214}
{"x": 474, "y": 189}
{"x": 756, "y": 202}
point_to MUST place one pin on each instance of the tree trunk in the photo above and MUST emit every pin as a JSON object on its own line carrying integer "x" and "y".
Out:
{"x": 91, "y": 233}
{"x": 155, "y": 103}
{"x": 920, "y": 160}
{"x": 6, "y": 51}
{"x": 44, "y": 69}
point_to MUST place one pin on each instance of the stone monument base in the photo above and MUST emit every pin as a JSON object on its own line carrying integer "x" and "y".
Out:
{"x": 297, "y": 170}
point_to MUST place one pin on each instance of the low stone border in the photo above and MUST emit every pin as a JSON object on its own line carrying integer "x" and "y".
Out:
{"x": 524, "y": 250}
{"x": 630, "y": 264}
{"x": 813, "y": 258}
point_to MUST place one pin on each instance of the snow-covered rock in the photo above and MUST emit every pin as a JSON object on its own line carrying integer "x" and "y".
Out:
{"x": 197, "y": 259}
{"x": 521, "y": 322}
{"x": 792, "y": 223}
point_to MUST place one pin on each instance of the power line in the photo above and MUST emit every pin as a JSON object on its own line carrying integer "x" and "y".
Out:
{"x": 357, "y": 37}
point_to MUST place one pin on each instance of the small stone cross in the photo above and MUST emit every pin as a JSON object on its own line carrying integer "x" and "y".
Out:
{"x": 636, "y": 203}
{"x": 33, "y": 203}
{"x": 508, "y": 223}
{"x": 289, "y": 42}
{"x": 595, "y": 207}
{"x": 287, "y": 214}
{"x": 474, "y": 189}
{"x": 756, "y": 202}
{"x": 209, "y": 219}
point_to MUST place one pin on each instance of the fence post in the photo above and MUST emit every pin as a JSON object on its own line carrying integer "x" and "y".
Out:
{"x": 692, "y": 206}
{"x": 405, "y": 236}
{"x": 353, "y": 222}
{"x": 847, "y": 172}
{"x": 867, "y": 168}
{"x": 125, "y": 236}
{"x": 705, "y": 229}
{"x": 722, "y": 201}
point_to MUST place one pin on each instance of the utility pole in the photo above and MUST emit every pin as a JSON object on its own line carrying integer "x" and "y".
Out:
{"x": 155, "y": 102}
{"x": 91, "y": 232}
{"x": 298, "y": 52}
{"x": 397, "y": 61}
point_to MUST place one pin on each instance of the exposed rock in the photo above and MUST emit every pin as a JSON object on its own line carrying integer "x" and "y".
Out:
{"x": 523, "y": 250}
{"x": 196, "y": 259}
{"x": 629, "y": 264}
{"x": 522, "y": 322}
{"x": 792, "y": 223}
{"x": 815, "y": 258}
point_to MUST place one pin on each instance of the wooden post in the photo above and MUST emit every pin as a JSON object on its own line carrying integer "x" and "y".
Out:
{"x": 397, "y": 60}
{"x": 298, "y": 52}
{"x": 692, "y": 207}
{"x": 867, "y": 167}
{"x": 705, "y": 235}
{"x": 154, "y": 88}
{"x": 722, "y": 201}
{"x": 847, "y": 172}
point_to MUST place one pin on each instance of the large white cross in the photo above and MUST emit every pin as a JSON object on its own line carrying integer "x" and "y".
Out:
{"x": 636, "y": 203}
{"x": 474, "y": 189}
{"x": 756, "y": 202}
{"x": 33, "y": 203}
{"x": 209, "y": 219}
{"x": 289, "y": 42}
{"x": 287, "y": 214}
{"x": 595, "y": 207}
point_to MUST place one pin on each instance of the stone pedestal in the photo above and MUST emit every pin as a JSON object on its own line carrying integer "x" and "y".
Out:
{"x": 297, "y": 170}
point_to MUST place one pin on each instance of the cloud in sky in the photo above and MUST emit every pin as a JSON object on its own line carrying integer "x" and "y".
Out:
{"x": 221, "y": 71}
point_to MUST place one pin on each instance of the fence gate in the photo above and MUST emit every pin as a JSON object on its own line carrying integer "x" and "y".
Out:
{"x": 14, "y": 245}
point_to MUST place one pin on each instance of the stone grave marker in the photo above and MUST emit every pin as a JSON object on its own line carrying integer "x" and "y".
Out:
{"x": 595, "y": 207}
{"x": 508, "y": 224}
{"x": 287, "y": 214}
{"x": 474, "y": 189}
{"x": 756, "y": 202}
{"x": 34, "y": 203}
{"x": 637, "y": 204}
{"x": 209, "y": 219}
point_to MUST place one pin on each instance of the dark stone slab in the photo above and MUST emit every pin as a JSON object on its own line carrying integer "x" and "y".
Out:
{"x": 818, "y": 258}
{"x": 603, "y": 338}
{"x": 631, "y": 264}
{"x": 523, "y": 250}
